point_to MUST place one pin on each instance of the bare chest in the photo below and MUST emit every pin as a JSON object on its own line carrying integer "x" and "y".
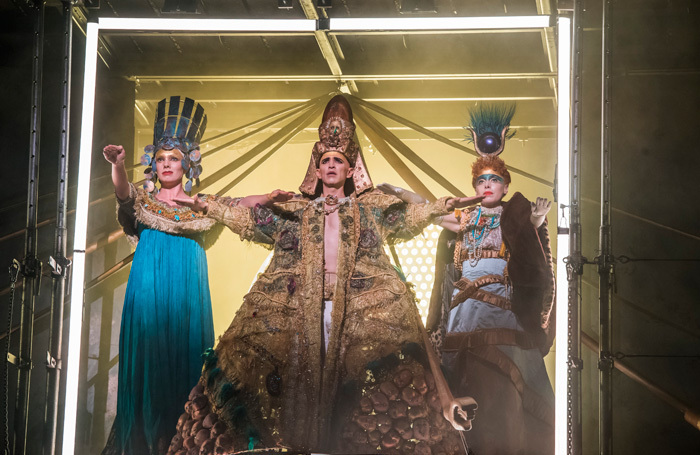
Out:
{"x": 331, "y": 230}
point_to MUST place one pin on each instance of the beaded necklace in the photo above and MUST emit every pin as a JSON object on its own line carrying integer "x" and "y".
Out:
{"x": 477, "y": 233}
{"x": 164, "y": 210}
{"x": 331, "y": 201}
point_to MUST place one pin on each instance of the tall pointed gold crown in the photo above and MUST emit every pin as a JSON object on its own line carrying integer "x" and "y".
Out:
{"x": 337, "y": 131}
{"x": 337, "y": 134}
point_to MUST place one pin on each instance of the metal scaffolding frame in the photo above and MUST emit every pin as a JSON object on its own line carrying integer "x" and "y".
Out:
{"x": 30, "y": 266}
{"x": 575, "y": 260}
{"x": 606, "y": 259}
{"x": 58, "y": 262}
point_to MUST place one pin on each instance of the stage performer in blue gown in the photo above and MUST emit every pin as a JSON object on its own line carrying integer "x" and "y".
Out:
{"x": 167, "y": 317}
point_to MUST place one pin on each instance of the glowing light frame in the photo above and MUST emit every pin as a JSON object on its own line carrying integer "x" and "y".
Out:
{"x": 174, "y": 25}
{"x": 166, "y": 25}
{"x": 75, "y": 322}
{"x": 437, "y": 23}
{"x": 561, "y": 374}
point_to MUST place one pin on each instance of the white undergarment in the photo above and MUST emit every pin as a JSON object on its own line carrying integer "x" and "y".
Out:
{"x": 327, "y": 309}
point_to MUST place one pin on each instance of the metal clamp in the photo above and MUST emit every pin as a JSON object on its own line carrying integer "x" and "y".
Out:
{"x": 575, "y": 363}
{"x": 19, "y": 363}
{"x": 574, "y": 265}
{"x": 31, "y": 267}
{"x": 59, "y": 266}
{"x": 51, "y": 362}
{"x": 563, "y": 223}
{"x": 606, "y": 361}
{"x": 14, "y": 270}
{"x": 323, "y": 24}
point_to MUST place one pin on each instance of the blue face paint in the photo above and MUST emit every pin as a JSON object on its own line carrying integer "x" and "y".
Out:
{"x": 494, "y": 178}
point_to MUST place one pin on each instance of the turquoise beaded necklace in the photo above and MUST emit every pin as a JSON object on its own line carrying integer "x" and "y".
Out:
{"x": 475, "y": 239}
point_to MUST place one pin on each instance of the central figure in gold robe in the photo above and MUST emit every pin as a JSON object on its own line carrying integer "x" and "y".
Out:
{"x": 327, "y": 350}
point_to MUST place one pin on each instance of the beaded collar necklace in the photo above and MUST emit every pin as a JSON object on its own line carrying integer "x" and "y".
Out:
{"x": 331, "y": 201}
{"x": 476, "y": 234}
{"x": 164, "y": 210}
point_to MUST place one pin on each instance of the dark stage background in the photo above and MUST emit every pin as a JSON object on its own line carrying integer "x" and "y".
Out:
{"x": 655, "y": 167}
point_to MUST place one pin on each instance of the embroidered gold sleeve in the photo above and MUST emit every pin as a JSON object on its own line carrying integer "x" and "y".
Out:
{"x": 419, "y": 216}
{"x": 416, "y": 217}
{"x": 459, "y": 244}
{"x": 237, "y": 218}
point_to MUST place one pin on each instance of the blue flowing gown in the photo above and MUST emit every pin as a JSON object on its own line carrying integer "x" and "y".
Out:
{"x": 166, "y": 326}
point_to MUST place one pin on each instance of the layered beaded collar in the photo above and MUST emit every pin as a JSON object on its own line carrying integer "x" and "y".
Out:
{"x": 169, "y": 212}
{"x": 333, "y": 202}
{"x": 482, "y": 222}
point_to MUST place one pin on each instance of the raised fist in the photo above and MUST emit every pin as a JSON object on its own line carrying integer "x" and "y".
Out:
{"x": 115, "y": 154}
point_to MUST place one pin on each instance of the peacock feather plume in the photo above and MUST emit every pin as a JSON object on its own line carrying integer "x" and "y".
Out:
{"x": 489, "y": 126}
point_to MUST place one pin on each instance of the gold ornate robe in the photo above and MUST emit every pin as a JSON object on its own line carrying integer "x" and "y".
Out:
{"x": 282, "y": 388}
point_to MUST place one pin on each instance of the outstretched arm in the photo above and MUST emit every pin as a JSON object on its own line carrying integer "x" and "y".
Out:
{"x": 401, "y": 193}
{"x": 462, "y": 202}
{"x": 115, "y": 154}
{"x": 539, "y": 211}
{"x": 448, "y": 221}
{"x": 266, "y": 199}
{"x": 199, "y": 205}
{"x": 251, "y": 220}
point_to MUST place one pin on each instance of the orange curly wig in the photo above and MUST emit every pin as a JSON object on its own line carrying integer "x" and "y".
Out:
{"x": 490, "y": 162}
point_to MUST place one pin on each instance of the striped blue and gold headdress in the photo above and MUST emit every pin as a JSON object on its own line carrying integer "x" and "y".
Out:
{"x": 179, "y": 124}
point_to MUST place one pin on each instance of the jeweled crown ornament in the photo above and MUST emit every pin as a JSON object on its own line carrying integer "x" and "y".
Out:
{"x": 337, "y": 134}
{"x": 337, "y": 131}
{"x": 179, "y": 124}
{"x": 489, "y": 125}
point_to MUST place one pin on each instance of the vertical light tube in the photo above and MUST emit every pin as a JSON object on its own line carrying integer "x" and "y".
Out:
{"x": 563, "y": 196}
{"x": 75, "y": 328}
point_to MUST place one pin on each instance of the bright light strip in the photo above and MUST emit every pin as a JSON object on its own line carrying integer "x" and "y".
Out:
{"x": 376, "y": 100}
{"x": 79, "y": 241}
{"x": 206, "y": 25}
{"x": 563, "y": 193}
{"x": 458, "y": 99}
{"x": 342, "y": 77}
{"x": 438, "y": 23}
{"x": 293, "y": 25}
